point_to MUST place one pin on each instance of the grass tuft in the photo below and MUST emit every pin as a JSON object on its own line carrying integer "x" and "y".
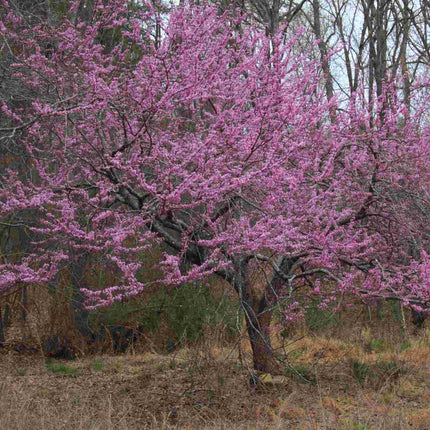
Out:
{"x": 98, "y": 364}
{"x": 61, "y": 369}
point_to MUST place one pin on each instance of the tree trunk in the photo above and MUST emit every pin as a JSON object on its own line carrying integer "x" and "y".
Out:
{"x": 258, "y": 326}
{"x": 324, "y": 50}
{"x": 257, "y": 297}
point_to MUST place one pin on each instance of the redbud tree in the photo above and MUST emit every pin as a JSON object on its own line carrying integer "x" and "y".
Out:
{"x": 217, "y": 141}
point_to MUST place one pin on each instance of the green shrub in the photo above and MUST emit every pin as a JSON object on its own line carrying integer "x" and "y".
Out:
{"x": 319, "y": 319}
{"x": 190, "y": 308}
{"x": 361, "y": 371}
{"x": 405, "y": 345}
{"x": 187, "y": 310}
{"x": 376, "y": 345}
{"x": 392, "y": 368}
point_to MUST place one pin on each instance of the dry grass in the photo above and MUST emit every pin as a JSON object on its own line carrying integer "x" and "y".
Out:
{"x": 207, "y": 388}
{"x": 358, "y": 374}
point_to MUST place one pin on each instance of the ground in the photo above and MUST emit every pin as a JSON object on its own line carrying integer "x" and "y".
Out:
{"x": 329, "y": 384}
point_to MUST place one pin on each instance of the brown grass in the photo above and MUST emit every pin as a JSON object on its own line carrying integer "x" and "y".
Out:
{"x": 207, "y": 388}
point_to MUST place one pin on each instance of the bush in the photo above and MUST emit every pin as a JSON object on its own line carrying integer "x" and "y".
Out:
{"x": 186, "y": 311}
{"x": 361, "y": 371}
{"x": 392, "y": 368}
{"x": 190, "y": 308}
{"x": 319, "y": 319}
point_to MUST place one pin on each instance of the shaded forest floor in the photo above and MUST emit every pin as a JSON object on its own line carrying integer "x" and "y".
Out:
{"x": 329, "y": 384}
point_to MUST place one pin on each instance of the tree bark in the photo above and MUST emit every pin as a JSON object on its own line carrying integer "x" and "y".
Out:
{"x": 257, "y": 297}
{"x": 323, "y": 48}
{"x": 258, "y": 317}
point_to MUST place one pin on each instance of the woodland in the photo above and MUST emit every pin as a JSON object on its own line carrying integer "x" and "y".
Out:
{"x": 178, "y": 178}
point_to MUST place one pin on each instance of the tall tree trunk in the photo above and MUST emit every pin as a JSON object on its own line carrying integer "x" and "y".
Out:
{"x": 257, "y": 323}
{"x": 257, "y": 298}
{"x": 258, "y": 317}
{"x": 323, "y": 48}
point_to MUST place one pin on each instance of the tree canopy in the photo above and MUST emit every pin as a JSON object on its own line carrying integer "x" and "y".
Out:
{"x": 219, "y": 141}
